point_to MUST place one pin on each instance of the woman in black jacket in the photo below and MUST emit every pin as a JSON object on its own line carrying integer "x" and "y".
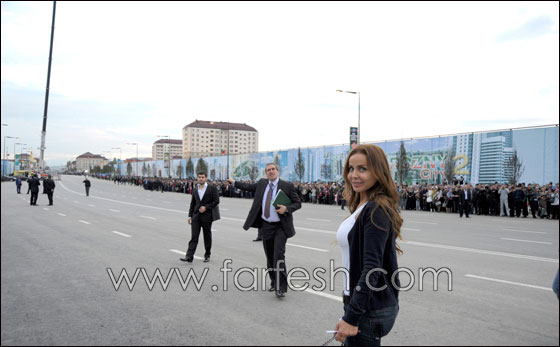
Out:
{"x": 369, "y": 249}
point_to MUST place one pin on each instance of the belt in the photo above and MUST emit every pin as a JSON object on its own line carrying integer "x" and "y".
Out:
{"x": 272, "y": 223}
{"x": 346, "y": 299}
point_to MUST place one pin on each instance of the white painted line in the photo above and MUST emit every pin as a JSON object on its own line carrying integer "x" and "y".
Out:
{"x": 91, "y": 205}
{"x": 325, "y": 295}
{"x": 526, "y": 231}
{"x": 233, "y": 219}
{"x": 213, "y": 230}
{"x": 511, "y": 255}
{"x": 410, "y": 229}
{"x": 509, "y": 282}
{"x": 319, "y": 220}
{"x": 46, "y": 209}
{"x": 316, "y": 230}
{"x": 114, "y": 210}
{"x": 118, "y": 233}
{"x": 83, "y": 221}
{"x": 544, "y": 243}
{"x": 413, "y": 221}
{"x": 76, "y": 202}
{"x": 61, "y": 214}
{"x": 224, "y": 209}
{"x": 183, "y": 253}
{"x": 311, "y": 248}
{"x": 148, "y": 217}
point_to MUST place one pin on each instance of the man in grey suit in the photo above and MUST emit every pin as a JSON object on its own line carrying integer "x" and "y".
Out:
{"x": 275, "y": 226}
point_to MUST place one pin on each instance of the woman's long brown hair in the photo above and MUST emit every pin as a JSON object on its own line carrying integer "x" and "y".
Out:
{"x": 383, "y": 192}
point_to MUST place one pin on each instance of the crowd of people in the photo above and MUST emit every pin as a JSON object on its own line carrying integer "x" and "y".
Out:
{"x": 492, "y": 200}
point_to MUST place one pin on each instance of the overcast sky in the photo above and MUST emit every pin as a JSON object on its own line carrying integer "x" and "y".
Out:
{"x": 127, "y": 72}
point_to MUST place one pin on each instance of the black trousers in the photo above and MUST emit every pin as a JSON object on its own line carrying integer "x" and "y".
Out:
{"x": 87, "y": 191}
{"x": 50, "y": 195}
{"x": 464, "y": 208}
{"x": 34, "y": 196}
{"x": 195, "y": 233}
{"x": 274, "y": 243}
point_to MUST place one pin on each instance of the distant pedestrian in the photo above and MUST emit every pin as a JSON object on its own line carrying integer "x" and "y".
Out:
{"x": 18, "y": 185}
{"x": 34, "y": 189}
{"x": 49, "y": 188}
{"x": 465, "y": 197}
{"x": 88, "y": 184}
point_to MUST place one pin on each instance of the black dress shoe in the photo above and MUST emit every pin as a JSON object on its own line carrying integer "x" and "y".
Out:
{"x": 272, "y": 288}
{"x": 280, "y": 293}
{"x": 257, "y": 239}
{"x": 188, "y": 260}
{"x": 206, "y": 259}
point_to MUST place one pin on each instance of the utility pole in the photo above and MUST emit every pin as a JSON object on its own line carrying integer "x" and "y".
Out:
{"x": 44, "y": 131}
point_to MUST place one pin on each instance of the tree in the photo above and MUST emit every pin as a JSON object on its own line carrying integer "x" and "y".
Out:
{"x": 144, "y": 169}
{"x": 201, "y": 166}
{"x": 254, "y": 172}
{"x": 213, "y": 174}
{"x": 403, "y": 165}
{"x": 129, "y": 169}
{"x": 299, "y": 167}
{"x": 449, "y": 166}
{"x": 515, "y": 167}
{"x": 190, "y": 168}
{"x": 149, "y": 170}
{"x": 180, "y": 171}
{"x": 276, "y": 161}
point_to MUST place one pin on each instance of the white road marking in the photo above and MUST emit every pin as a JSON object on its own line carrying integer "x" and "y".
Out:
{"x": 526, "y": 231}
{"x": 318, "y": 220}
{"x": 61, "y": 214}
{"x": 324, "y": 295}
{"x": 544, "y": 243}
{"x": 83, "y": 221}
{"x": 148, "y": 217}
{"x": 314, "y": 249}
{"x": 183, "y": 253}
{"x": 76, "y": 202}
{"x": 508, "y": 282}
{"x": 46, "y": 209}
{"x": 410, "y": 229}
{"x": 502, "y": 254}
{"x": 118, "y": 233}
{"x": 114, "y": 210}
{"x": 91, "y": 205}
{"x": 316, "y": 230}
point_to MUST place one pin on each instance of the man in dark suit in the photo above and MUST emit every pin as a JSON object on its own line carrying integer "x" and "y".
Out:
{"x": 34, "y": 188}
{"x": 465, "y": 198}
{"x": 275, "y": 226}
{"x": 49, "y": 185}
{"x": 204, "y": 199}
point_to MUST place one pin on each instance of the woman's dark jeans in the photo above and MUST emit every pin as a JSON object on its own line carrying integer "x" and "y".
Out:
{"x": 373, "y": 326}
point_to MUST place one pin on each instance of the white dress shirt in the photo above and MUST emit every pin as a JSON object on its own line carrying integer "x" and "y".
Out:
{"x": 273, "y": 215}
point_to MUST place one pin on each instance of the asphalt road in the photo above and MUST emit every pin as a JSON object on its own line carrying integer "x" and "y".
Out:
{"x": 61, "y": 265}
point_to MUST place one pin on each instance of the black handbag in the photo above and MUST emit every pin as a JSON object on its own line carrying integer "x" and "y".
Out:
{"x": 215, "y": 214}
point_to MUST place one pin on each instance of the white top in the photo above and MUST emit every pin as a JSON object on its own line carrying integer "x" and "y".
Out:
{"x": 342, "y": 238}
{"x": 273, "y": 215}
{"x": 202, "y": 190}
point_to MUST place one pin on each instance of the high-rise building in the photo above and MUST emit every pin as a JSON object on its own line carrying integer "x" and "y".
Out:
{"x": 206, "y": 138}
{"x": 166, "y": 149}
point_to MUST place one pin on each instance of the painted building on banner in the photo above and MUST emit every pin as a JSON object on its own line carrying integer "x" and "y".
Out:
{"x": 480, "y": 157}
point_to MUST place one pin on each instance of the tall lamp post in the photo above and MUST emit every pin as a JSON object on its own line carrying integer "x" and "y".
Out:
{"x": 168, "y": 153}
{"x": 347, "y": 91}
{"x": 120, "y": 160}
{"x": 4, "y": 166}
{"x": 135, "y": 143}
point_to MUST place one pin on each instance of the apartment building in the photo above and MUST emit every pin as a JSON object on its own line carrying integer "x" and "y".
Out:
{"x": 167, "y": 149}
{"x": 208, "y": 138}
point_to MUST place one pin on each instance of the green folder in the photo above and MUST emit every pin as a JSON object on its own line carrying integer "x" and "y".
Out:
{"x": 281, "y": 199}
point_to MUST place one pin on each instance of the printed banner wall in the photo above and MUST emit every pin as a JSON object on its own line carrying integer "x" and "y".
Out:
{"x": 478, "y": 157}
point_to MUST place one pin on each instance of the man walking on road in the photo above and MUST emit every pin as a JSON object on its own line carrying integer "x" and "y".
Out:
{"x": 275, "y": 226}
{"x": 34, "y": 189}
{"x": 465, "y": 197}
{"x": 204, "y": 200}
{"x": 49, "y": 188}
{"x": 88, "y": 184}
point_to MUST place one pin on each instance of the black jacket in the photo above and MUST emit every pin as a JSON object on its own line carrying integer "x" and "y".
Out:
{"x": 34, "y": 185}
{"x": 210, "y": 200}
{"x": 372, "y": 246}
{"x": 254, "y": 219}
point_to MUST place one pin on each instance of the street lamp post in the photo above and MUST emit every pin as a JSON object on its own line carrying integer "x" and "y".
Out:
{"x": 135, "y": 143}
{"x": 120, "y": 160}
{"x": 346, "y": 91}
